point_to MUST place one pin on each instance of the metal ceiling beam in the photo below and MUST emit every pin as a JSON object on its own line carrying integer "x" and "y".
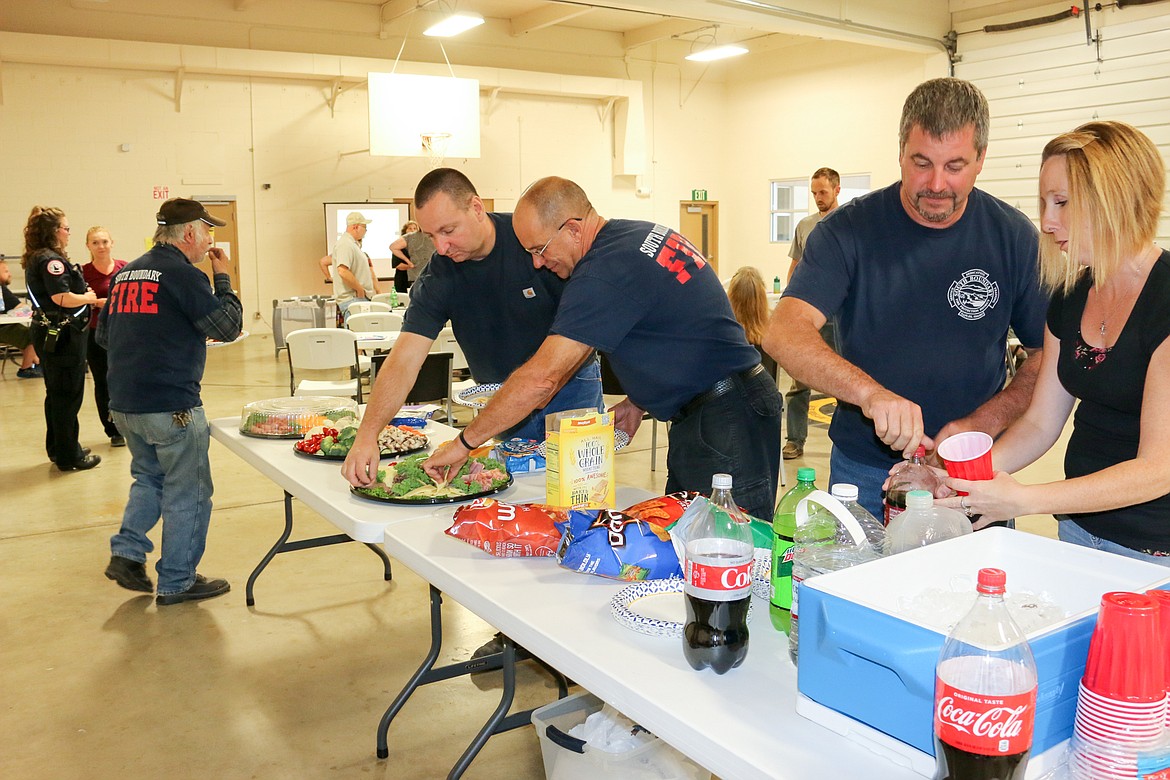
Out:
{"x": 545, "y": 16}
{"x": 658, "y": 31}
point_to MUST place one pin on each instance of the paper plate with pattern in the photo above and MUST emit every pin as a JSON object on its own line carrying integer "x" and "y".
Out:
{"x": 621, "y": 440}
{"x": 653, "y": 607}
{"x": 476, "y": 396}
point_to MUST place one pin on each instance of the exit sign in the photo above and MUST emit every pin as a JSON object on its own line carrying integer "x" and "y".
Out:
{"x": 698, "y": 194}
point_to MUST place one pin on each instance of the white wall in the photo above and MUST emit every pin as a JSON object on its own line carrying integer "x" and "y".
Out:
{"x": 729, "y": 129}
{"x": 62, "y": 127}
{"x": 819, "y": 104}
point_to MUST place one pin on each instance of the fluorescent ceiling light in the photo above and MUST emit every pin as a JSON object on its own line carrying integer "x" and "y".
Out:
{"x": 453, "y": 25}
{"x": 717, "y": 53}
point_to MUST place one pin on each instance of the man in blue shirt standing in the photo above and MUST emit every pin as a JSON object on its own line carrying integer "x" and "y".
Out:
{"x": 155, "y": 326}
{"x": 924, "y": 277}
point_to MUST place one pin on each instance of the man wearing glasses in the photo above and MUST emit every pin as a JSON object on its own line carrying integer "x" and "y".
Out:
{"x": 500, "y": 308}
{"x": 642, "y": 294}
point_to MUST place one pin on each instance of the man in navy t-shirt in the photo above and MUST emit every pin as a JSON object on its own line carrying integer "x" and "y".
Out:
{"x": 155, "y": 327}
{"x": 500, "y": 308}
{"x": 642, "y": 294}
{"x": 925, "y": 278}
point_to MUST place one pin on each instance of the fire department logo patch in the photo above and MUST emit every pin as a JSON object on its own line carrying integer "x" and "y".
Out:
{"x": 55, "y": 267}
{"x": 972, "y": 294}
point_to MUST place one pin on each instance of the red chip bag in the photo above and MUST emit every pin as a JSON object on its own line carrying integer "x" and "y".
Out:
{"x": 662, "y": 511}
{"x": 508, "y": 530}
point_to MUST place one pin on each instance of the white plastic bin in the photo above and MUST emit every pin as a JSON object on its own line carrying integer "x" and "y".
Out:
{"x": 567, "y": 758}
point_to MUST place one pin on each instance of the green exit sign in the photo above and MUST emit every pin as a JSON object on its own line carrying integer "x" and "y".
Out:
{"x": 698, "y": 194}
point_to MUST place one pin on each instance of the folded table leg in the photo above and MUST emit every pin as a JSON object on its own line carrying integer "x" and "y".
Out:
{"x": 283, "y": 545}
{"x": 499, "y": 721}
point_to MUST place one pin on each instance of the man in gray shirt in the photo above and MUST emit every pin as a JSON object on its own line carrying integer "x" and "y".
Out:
{"x": 824, "y": 186}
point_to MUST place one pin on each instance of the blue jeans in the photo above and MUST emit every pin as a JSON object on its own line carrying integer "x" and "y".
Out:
{"x": 172, "y": 480}
{"x": 583, "y": 391}
{"x": 798, "y": 397}
{"x": 868, "y": 479}
{"x": 738, "y": 434}
{"x": 1068, "y": 531}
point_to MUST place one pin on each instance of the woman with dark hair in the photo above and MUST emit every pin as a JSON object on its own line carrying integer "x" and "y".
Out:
{"x": 61, "y": 302}
{"x": 99, "y": 274}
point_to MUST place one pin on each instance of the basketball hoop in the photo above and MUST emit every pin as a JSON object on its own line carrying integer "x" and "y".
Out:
{"x": 435, "y": 145}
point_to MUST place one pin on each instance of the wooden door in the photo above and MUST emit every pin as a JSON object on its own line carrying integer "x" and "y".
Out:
{"x": 698, "y": 220}
{"x": 226, "y": 238}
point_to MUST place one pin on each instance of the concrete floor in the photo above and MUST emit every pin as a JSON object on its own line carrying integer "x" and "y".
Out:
{"x": 97, "y": 682}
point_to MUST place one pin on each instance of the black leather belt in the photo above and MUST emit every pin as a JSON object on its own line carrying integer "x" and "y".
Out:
{"x": 720, "y": 388}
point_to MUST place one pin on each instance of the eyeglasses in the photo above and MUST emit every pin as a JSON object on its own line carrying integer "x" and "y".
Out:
{"x": 540, "y": 252}
{"x": 66, "y": 228}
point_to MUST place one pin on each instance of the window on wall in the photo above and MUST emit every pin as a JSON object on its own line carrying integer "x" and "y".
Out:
{"x": 791, "y": 202}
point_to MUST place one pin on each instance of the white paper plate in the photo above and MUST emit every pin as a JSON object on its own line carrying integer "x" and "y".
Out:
{"x": 654, "y": 607}
{"x": 621, "y": 440}
{"x": 476, "y": 396}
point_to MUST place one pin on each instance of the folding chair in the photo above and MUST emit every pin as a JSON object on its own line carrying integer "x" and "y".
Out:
{"x": 374, "y": 321}
{"x": 365, "y": 307}
{"x": 433, "y": 383}
{"x": 322, "y": 349}
{"x": 611, "y": 386}
{"x": 388, "y": 299}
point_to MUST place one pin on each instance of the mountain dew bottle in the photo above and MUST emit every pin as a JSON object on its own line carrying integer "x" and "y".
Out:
{"x": 783, "y": 528}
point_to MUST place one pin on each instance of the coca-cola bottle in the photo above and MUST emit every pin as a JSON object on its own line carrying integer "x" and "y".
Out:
{"x": 985, "y": 692}
{"x": 718, "y": 583}
{"x": 912, "y": 474}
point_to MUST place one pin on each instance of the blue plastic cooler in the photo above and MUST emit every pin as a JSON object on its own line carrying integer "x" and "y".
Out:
{"x": 858, "y": 657}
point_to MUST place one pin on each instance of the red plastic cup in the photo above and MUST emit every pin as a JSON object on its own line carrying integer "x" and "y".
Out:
{"x": 1126, "y": 662}
{"x": 967, "y": 455}
{"x": 1163, "y": 599}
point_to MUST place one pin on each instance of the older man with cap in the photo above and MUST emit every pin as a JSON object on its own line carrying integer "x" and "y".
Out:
{"x": 353, "y": 273}
{"x": 155, "y": 326}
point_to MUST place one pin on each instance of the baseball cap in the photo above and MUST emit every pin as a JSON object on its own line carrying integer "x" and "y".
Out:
{"x": 356, "y": 218}
{"x": 180, "y": 211}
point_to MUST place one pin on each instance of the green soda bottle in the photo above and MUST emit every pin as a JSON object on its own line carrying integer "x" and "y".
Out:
{"x": 393, "y": 297}
{"x": 783, "y": 527}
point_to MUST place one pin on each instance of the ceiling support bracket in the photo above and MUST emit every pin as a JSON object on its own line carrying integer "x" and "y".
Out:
{"x": 180, "y": 74}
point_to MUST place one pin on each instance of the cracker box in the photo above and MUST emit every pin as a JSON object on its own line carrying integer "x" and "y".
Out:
{"x": 579, "y": 459}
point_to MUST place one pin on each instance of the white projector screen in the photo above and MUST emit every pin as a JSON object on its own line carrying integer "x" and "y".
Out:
{"x": 388, "y": 219}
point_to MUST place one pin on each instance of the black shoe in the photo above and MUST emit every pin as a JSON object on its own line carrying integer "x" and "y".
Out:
{"x": 202, "y": 589}
{"x": 131, "y": 575}
{"x": 88, "y": 462}
{"x": 84, "y": 451}
{"x": 118, "y": 441}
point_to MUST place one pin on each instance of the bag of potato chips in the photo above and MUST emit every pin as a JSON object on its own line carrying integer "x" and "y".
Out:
{"x": 613, "y": 544}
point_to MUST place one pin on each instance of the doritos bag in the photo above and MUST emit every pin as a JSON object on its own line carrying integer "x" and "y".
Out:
{"x": 508, "y": 530}
{"x": 613, "y": 544}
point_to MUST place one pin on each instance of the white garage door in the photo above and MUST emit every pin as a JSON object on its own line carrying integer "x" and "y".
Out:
{"x": 1048, "y": 79}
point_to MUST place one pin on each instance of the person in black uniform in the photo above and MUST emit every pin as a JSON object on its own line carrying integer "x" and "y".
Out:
{"x": 61, "y": 301}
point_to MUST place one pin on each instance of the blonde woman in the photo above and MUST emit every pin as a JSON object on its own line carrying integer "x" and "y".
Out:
{"x": 412, "y": 251}
{"x": 1107, "y": 345}
{"x": 749, "y": 304}
{"x": 99, "y": 273}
